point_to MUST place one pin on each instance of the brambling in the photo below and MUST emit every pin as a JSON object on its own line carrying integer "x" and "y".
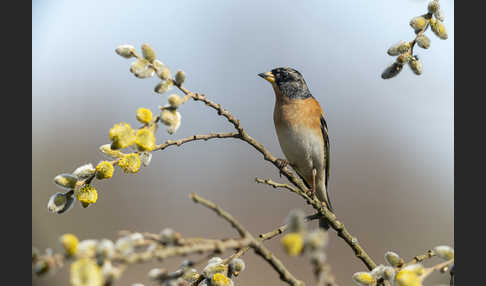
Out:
{"x": 301, "y": 130}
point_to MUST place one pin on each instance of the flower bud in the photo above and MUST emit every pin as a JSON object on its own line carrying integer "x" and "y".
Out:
{"x": 215, "y": 260}
{"x": 378, "y": 271}
{"x": 168, "y": 236}
{"x": 399, "y": 48}
{"x": 236, "y": 265}
{"x": 423, "y": 41}
{"x": 146, "y": 157}
{"x": 66, "y": 181}
{"x": 416, "y": 65}
{"x": 167, "y": 117}
{"x": 438, "y": 29}
{"x": 121, "y": 135}
{"x": 130, "y": 163}
{"x": 316, "y": 239}
{"x": 219, "y": 279}
{"x": 433, "y": 7}
{"x": 213, "y": 268}
{"x": 445, "y": 252}
{"x": 84, "y": 172}
{"x": 145, "y": 73}
{"x": 87, "y": 248}
{"x": 163, "y": 86}
{"x": 144, "y": 115}
{"x": 393, "y": 259}
{"x": 158, "y": 64}
{"x": 293, "y": 243}
{"x": 137, "y": 238}
{"x": 104, "y": 170}
{"x": 124, "y": 245}
{"x": 191, "y": 276}
{"x": 391, "y": 71}
{"x": 138, "y": 66}
{"x": 175, "y": 100}
{"x": 106, "y": 149}
{"x": 164, "y": 73}
{"x": 105, "y": 249}
{"x": 87, "y": 194}
{"x": 175, "y": 123}
{"x": 439, "y": 15}
{"x": 148, "y": 52}
{"x": 296, "y": 221}
{"x": 60, "y": 203}
{"x": 85, "y": 271}
{"x": 389, "y": 273}
{"x": 415, "y": 268}
{"x": 418, "y": 23}
{"x": 364, "y": 278}
{"x": 145, "y": 140}
{"x": 180, "y": 77}
{"x": 125, "y": 51}
{"x": 69, "y": 243}
{"x": 157, "y": 274}
{"x": 110, "y": 273}
{"x": 407, "y": 277}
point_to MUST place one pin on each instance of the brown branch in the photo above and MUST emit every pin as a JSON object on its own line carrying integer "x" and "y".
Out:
{"x": 195, "y": 138}
{"x": 257, "y": 245}
{"x": 420, "y": 258}
{"x": 334, "y": 223}
{"x": 166, "y": 252}
{"x": 439, "y": 267}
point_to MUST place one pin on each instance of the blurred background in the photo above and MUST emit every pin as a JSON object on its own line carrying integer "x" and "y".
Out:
{"x": 391, "y": 140}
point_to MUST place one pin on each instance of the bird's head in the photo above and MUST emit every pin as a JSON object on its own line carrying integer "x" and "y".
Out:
{"x": 288, "y": 82}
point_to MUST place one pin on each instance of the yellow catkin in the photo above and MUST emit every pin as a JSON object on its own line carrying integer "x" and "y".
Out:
{"x": 144, "y": 115}
{"x": 293, "y": 243}
{"x": 85, "y": 272}
{"x": 130, "y": 163}
{"x": 145, "y": 140}
{"x": 69, "y": 242}
{"x": 104, "y": 170}
{"x": 87, "y": 194}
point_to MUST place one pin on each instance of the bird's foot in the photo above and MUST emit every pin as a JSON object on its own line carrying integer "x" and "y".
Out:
{"x": 281, "y": 163}
{"x": 310, "y": 193}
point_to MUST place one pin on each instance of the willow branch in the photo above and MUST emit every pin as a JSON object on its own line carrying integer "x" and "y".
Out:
{"x": 195, "y": 138}
{"x": 420, "y": 258}
{"x": 333, "y": 221}
{"x": 257, "y": 245}
{"x": 442, "y": 267}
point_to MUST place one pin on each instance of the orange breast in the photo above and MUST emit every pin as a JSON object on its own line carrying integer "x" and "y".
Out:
{"x": 298, "y": 113}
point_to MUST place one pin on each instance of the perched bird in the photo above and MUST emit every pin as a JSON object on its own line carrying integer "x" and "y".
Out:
{"x": 301, "y": 130}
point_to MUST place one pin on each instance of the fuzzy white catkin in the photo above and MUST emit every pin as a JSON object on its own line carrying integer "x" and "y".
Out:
{"x": 125, "y": 51}
{"x": 84, "y": 172}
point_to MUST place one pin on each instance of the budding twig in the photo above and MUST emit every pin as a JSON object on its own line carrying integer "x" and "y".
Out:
{"x": 259, "y": 248}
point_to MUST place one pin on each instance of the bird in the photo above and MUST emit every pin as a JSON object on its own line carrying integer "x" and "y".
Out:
{"x": 302, "y": 131}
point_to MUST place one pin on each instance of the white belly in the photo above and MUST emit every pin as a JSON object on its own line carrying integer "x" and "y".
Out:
{"x": 302, "y": 148}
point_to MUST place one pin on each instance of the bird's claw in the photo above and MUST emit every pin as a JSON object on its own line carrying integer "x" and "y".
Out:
{"x": 281, "y": 163}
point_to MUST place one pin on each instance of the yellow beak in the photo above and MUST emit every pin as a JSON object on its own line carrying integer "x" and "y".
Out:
{"x": 268, "y": 76}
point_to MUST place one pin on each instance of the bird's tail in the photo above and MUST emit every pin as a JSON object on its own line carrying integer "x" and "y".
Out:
{"x": 324, "y": 223}
{"x": 323, "y": 196}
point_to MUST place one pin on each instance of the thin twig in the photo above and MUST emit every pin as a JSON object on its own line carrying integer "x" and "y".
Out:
{"x": 195, "y": 138}
{"x": 257, "y": 245}
{"x": 334, "y": 223}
